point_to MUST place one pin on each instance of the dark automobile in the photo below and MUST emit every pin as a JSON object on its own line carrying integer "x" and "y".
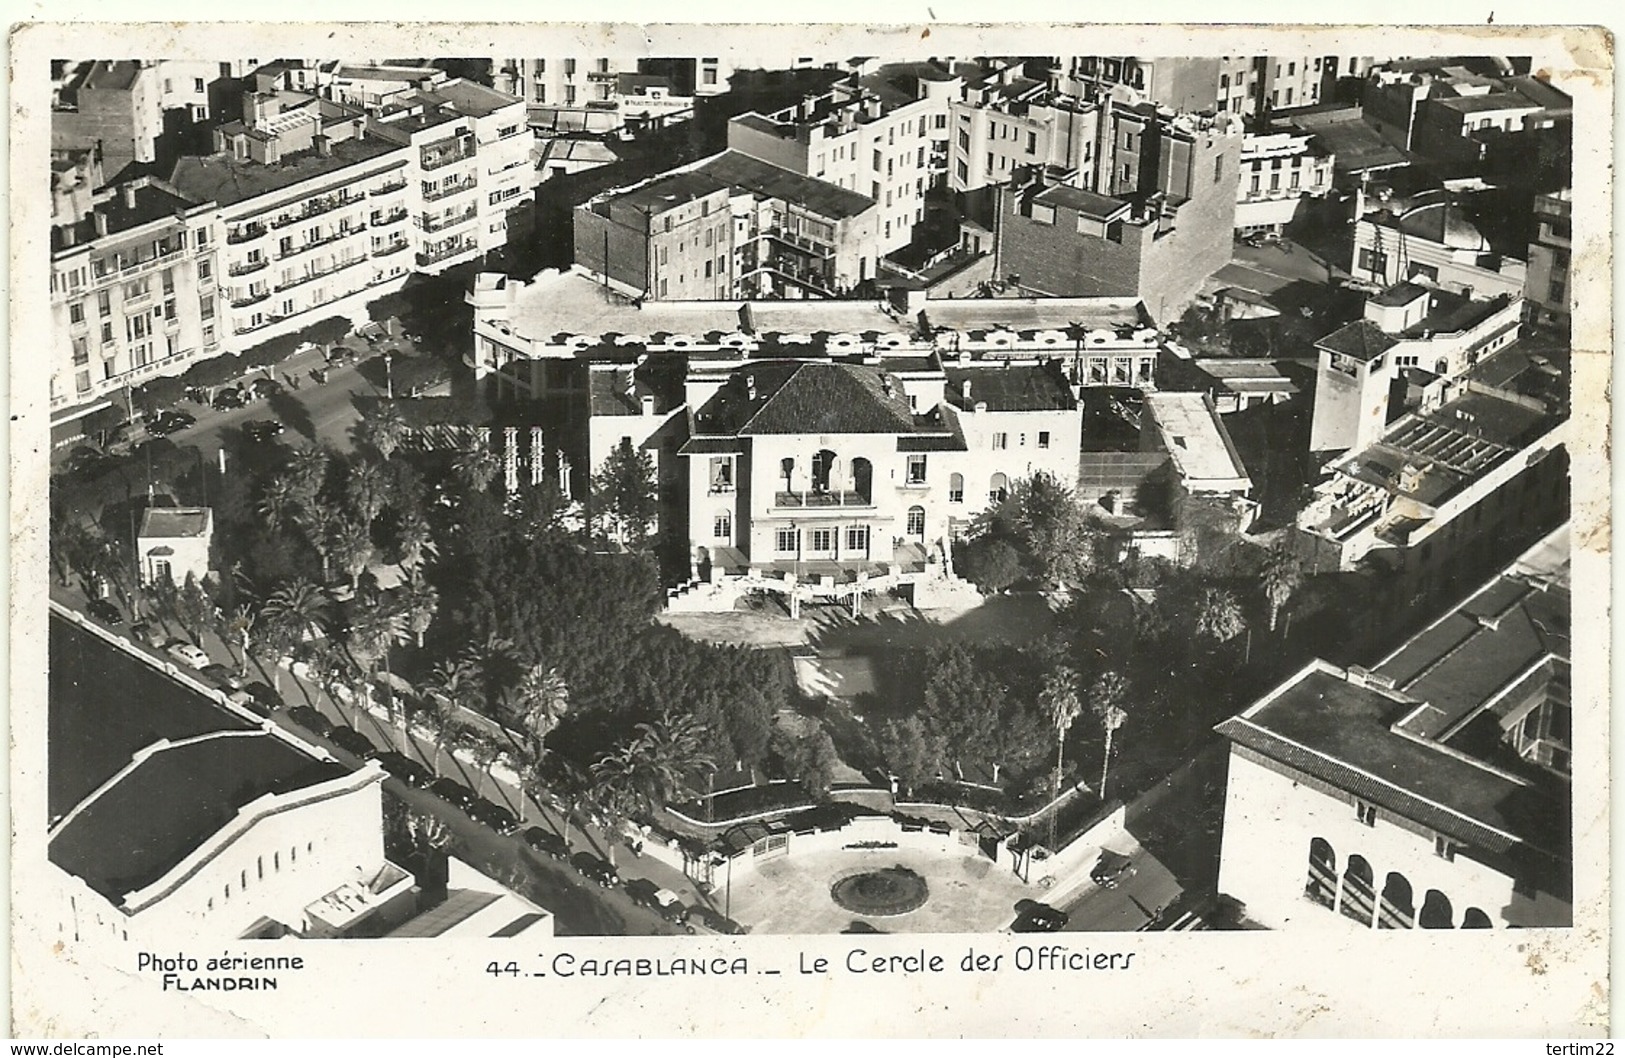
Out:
{"x": 547, "y": 843}
{"x": 405, "y": 769}
{"x": 596, "y": 869}
{"x": 230, "y": 397}
{"x": 1038, "y": 918}
{"x": 243, "y": 700}
{"x": 1111, "y": 868}
{"x": 453, "y": 793}
{"x": 494, "y": 816}
{"x": 716, "y": 922}
{"x": 266, "y": 387}
{"x": 351, "y": 741}
{"x": 104, "y": 611}
{"x": 310, "y": 720}
{"x": 167, "y": 422}
{"x": 264, "y": 694}
{"x": 261, "y": 430}
{"x": 667, "y": 904}
{"x": 221, "y": 676}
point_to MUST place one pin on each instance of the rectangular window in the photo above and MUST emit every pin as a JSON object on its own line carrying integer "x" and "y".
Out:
{"x": 723, "y": 527}
{"x": 784, "y": 541}
{"x": 1366, "y": 813}
{"x": 1294, "y": 182}
{"x": 169, "y": 281}
{"x": 107, "y": 333}
{"x": 76, "y": 312}
{"x": 823, "y": 540}
{"x": 1001, "y": 440}
{"x": 876, "y": 165}
{"x": 1032, "y": 143}
{"x": 857, "y": 538}
{"x": 1043, "y": 438}
{"x": 104, "y": 304}
{"x": 205, "y": 270}
{"x": 916, "y": 470}
{"x": 206, "y": 306}
{"x": 1374, "y": 262}
{"x": 81, "y": 352}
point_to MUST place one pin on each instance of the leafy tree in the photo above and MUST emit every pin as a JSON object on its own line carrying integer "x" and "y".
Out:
{"x": 1044, "y": 523}
{"x": 911, "y": 751}
{"x": 240, "y": 627}
{"x": 989, "y": 562}
{"x": 1106, "y": 699}
{"x": 415, "y": 539}
{"x": 1062, "y": 705}
{"x": 193, "y": 608}
{"x": 320, "y": 524}
{"x": 449, "y": 686}
{"x": 962, "y": 704}
{"x": 476, "y": 466}
{"x": 539, "y": 510}
{"x": 1281, "y": 576}
{"x": 624, "y": 493}
{"x": 809, "y": 758}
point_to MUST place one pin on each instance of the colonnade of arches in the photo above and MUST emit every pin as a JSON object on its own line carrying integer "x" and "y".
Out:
{"x": 1354, "y": 893}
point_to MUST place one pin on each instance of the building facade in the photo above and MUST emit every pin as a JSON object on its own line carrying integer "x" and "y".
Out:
{"x": 1278, "y": 171}
{"x": 1428, "y": 239}
{"x": 1546, "y": 282}
{"x": 173, "y": 544}
{"x": 114, "y": 106}
{"x": 1429, "y": 791}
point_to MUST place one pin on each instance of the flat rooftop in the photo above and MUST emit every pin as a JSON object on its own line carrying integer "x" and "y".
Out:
{"x": 1196, "y": 439}
{"x": 1088, "y": 203}
{"x": 175, "y": 521}
{"x": 227, "y": 180}
{"x": 669, "y": 192}
{"x": 469, "y": 97}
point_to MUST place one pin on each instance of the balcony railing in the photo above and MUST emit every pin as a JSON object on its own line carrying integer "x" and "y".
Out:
{"x": 447, "y": 190}
{"x": 447, "y": 152}
{"x": 430, "y": 257}
{"x": 428, "y": 223}
{"x": 312, "y": 276}
{"x": 815, "y": 499}
{"x": 800, "y": 242}
{"x": 388, "y": 189}
{"x": 393, "y": 217}
{"x": 246, "y": 233}
{"x": 395, "y": 247}
{"x": 134, "y": 268}
{"x": 249, "y": 268}
{"x": 249, "y": 299}
{"x": 316, "y": 207}
{"x": 308, "y": 246}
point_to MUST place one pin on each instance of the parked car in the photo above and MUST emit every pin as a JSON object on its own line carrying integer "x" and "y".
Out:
{"x": 266, "y": 387}
{"x": 547, "y": 843}
{"x": 264, "y": 694}
{"x": 244, "y": 700}
{"x": 716, "y": 922}
{"x": 596, "y": 869}
{"x": 453, "y": 793}
{"x": 311, "y": 720}
{"x": 261, "y": 430}
{"x": 167, "y": 422}
{"x": 664, "y": 902}
{"x": 1111, "y": 868}
{"x": 104, "y": 611}
{"x": 230, "y": 397}
{"x": 351, "y": 741}
{"x": 493, "y": 815}
{"x": 405, "y": 769}
{"x": 1033, "y": 917}
{"x": 221, "y": 676}
{"x": 186, "y": 653}
{"x": 140, "y": 630}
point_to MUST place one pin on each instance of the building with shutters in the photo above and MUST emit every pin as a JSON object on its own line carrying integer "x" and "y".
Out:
{"x": 1430, "y": 791}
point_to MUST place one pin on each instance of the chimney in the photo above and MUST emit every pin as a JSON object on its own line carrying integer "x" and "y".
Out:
{"x": 128, "y": 193}
{"x": 648, "y": 404}
{"x": 964, "y": 390}
{"x": 101, "y": 223}
{"x": 981, "y": 405}
{"x": 750, "y": 386}
{"x": 324, "y": 147}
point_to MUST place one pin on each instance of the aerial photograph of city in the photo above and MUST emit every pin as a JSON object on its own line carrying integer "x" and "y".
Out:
{"x": 607, "y": 495}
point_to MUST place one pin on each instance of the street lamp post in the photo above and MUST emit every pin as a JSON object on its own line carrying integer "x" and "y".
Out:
{"x": 389, "y": 375}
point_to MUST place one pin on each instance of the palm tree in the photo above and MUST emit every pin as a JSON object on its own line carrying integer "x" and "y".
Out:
{"x": 319, "y": 523}
{"x": 367, "y": 491}
{"x": 296, "y": 612}
{"x": 1218, "y": 615}
{"x": 415, "y": 539}
{"x": 1106, "y": 702}
{"x": 540, "y": 700}
{"x": 307, "y": 467}
{"x": 1281, "y": 576}
{"x": 1062, "y": 705}
{"x": 239, "y": 625}
{"x": 448, "y": 686}
{"x": 375, "y": 623}
{"x": 476, "y": 466}
{"x": 352, "y": 547}
{"x": 278, "y": 501}
{"x": 490, "y": 663}
{"x": 382, "y": 429}
{"x": 660, "y": 765}
{"x": 418, "y": 602}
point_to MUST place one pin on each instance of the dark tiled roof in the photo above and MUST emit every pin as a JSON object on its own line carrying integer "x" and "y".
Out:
{"x": 1399, "y": 294}
{"x": 822, "y": 197}
{"x": 226, "y": 180}
{"x": 1361, "y": 339}
{"x": 152, "y": 202}
{"x": 1024, "y": 388}
{"x": 794, "y": 397}
{"x": 672, "y": 191}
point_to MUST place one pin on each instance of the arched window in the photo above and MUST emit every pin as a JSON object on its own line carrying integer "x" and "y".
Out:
{"x": 1321, "y": 886}
{"x": 863, "y": 474}
{"x": 916, "y": 521}
{"x": 998, "y": 488}
{"x": 1436, "y": 913}
{"x": 1397, "y": 909}
{"x": 1473, "y": 918}
{"x": 1358, "y": 901}
{"x": 823, "y": 462}
{"x": 956, "y": 488}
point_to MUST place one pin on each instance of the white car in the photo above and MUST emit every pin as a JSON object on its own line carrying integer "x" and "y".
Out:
{"x": 187, "y": 654}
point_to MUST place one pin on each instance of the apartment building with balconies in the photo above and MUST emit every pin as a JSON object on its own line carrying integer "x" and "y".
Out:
{"x": 136, "y": 288}
{"x": 882, "y": 132}
{"x": 1278, "y": 171}
{"x": 1006, "y": 121}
